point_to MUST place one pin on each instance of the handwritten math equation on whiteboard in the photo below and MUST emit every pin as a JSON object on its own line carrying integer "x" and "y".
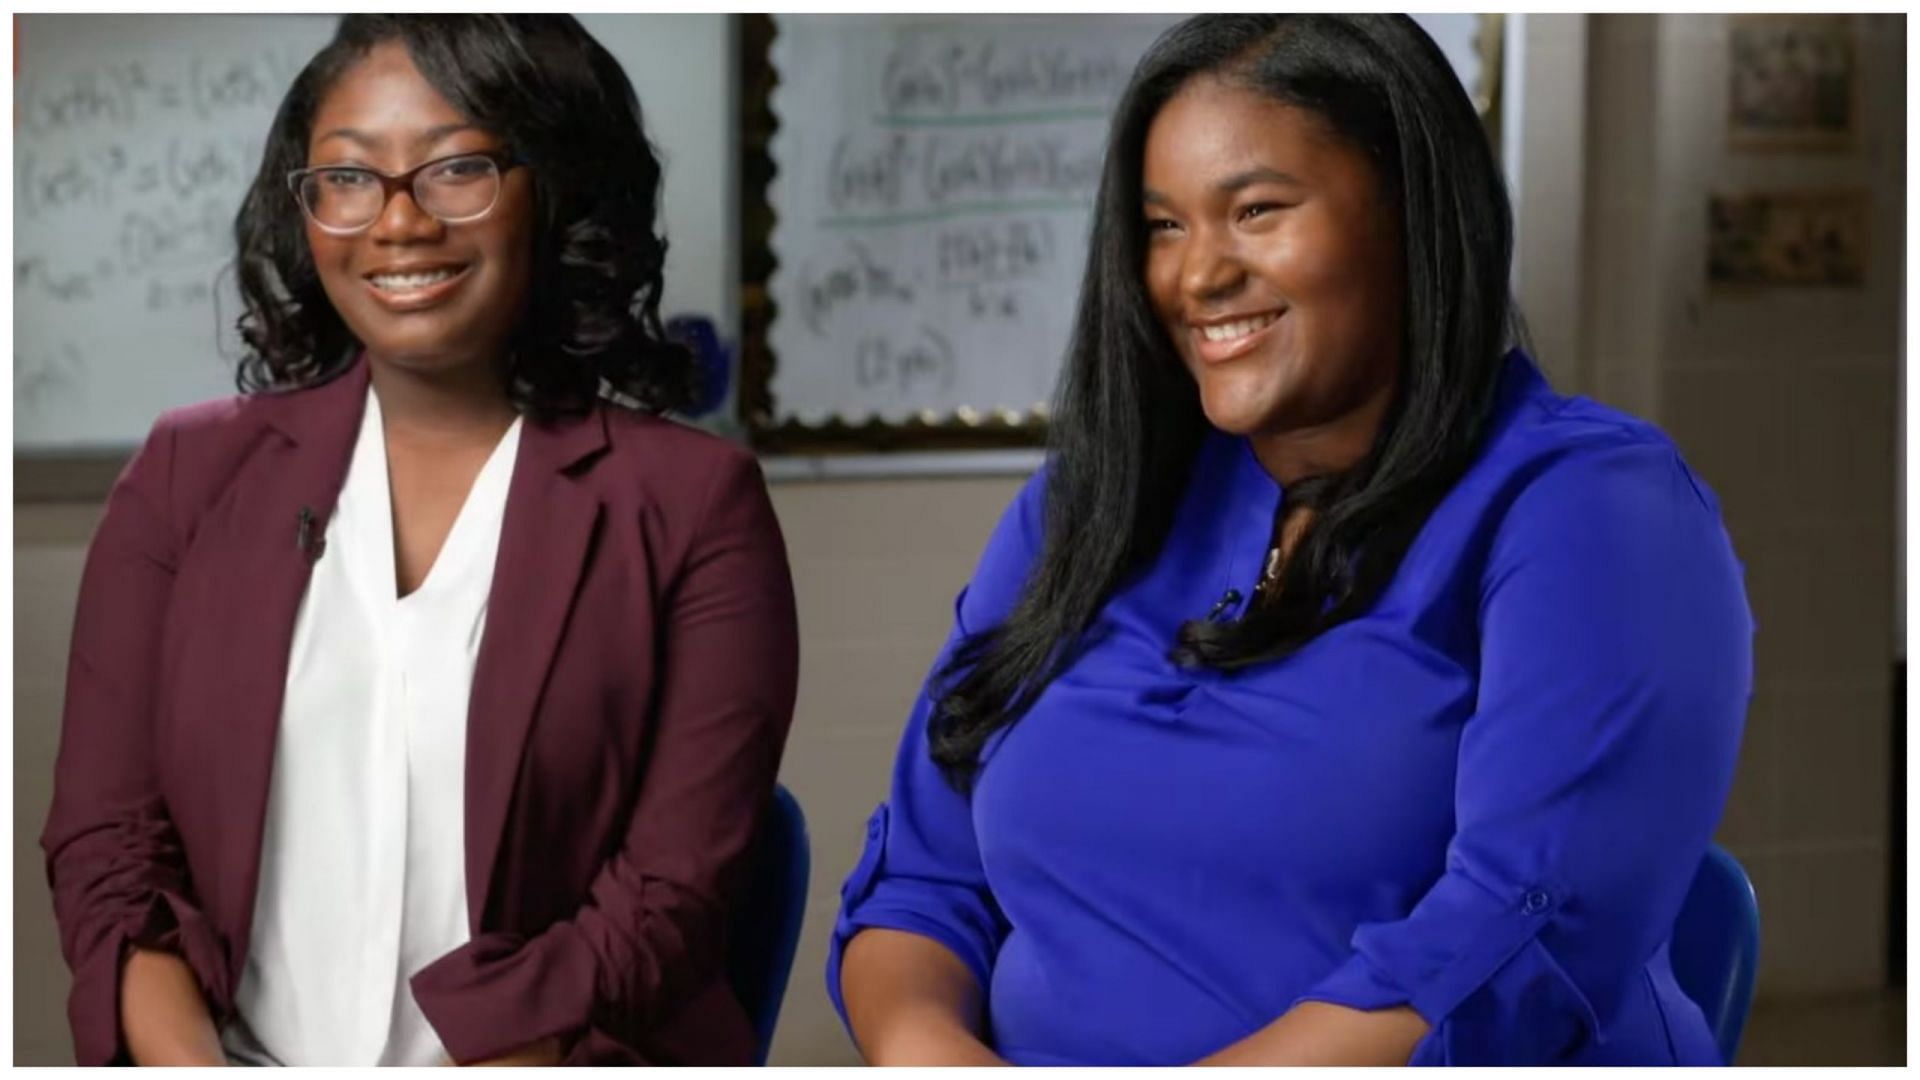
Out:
{"x": 934, "y": 181}
{"x": 135, "y": 138}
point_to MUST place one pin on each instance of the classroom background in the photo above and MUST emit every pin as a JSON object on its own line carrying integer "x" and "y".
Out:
{"x": 1711, "y": 216}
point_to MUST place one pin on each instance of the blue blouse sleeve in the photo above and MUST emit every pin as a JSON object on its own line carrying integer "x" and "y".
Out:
{"x": 920, "y": 871}
{"x": 1615, "y": 671}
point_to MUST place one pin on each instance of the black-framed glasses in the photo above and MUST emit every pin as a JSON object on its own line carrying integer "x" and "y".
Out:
{"x": 346, "y": 199}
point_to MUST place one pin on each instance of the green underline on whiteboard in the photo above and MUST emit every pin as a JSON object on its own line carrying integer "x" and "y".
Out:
{"x": 947, "y": 213}
{"x": 1043, "y": 116}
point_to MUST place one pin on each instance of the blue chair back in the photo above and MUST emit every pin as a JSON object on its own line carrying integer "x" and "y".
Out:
{"x": 765, "y": 928}
{"x": 1716, "y": 946}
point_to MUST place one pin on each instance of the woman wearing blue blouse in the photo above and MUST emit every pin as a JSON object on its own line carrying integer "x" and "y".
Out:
{"x": 1338, "y": 693}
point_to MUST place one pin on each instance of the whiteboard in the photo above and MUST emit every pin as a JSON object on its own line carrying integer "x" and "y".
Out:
{"x": 933, "y": 188}
{"x": 135, "y": 140}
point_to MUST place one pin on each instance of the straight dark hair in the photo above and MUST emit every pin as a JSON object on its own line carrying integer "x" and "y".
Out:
{"x": 592, "y": 327}
{"x": 1128, "y": 421}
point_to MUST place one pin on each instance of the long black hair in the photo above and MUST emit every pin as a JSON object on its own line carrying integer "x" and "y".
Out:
{"x": 1128, "y": 420}
{"x": 592, "y": 324}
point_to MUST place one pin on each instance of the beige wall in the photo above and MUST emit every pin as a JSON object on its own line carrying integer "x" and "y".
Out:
{"x": 876, "y": 566}
{"x": 1785, "y": 404}
{"x": 49, "y": 546}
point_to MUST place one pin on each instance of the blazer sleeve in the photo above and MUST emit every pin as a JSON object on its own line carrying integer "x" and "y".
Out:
{"x": 1616, "y": 667}
{"x": 114, "y": 857}
{"x": 652, "y": 926}
{"x": 920, "y": 870}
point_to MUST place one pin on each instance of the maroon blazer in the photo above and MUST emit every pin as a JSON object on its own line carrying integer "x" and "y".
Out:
{"x": 630, "y": 703}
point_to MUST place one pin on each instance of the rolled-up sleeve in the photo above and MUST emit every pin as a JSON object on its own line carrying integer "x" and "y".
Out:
{"x": 1615, "y": 672}
{"x": 114, "y": 858}
{"x": 920, "y": 869}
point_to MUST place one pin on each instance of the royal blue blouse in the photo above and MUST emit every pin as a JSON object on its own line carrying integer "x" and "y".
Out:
{"x": 1484, "y": 799}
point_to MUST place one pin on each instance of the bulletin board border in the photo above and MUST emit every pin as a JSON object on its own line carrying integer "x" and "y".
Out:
{"x": 966, "y": 430}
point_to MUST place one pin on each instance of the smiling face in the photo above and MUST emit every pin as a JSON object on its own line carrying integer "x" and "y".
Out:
{"x": 419, "y": 293}
{"x": 1273, "y": 262}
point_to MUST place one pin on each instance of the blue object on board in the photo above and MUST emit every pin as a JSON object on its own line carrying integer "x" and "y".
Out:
{"x": 712, "y": 359}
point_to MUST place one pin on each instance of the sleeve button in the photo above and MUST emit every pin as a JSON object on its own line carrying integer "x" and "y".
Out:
{"x": 1537, "y": 902}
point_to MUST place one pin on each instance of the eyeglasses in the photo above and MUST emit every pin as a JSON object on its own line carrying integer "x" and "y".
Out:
{"x": 346, "y": 199}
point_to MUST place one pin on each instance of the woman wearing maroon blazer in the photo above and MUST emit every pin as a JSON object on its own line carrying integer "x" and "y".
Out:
{"x": 424, "y": 698}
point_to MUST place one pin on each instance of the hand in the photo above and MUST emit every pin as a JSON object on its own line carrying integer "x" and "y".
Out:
{"x": 162, "y": 1015}
{"x": 541, "y": 1054}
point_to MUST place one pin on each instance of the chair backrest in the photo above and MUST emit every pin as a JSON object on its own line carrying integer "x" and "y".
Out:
{"x": 765, "y": 928}
{"x": 1716, "y": 946}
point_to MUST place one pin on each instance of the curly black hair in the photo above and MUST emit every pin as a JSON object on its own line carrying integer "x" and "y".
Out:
{"x": 592, "y": 327}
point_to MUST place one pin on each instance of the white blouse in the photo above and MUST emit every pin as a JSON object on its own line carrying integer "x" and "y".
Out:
{"x": 363, "y": 873}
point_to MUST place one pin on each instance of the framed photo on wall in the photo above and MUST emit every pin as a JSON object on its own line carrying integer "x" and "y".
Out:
{"x": 1787, "y": 238}
{"x": 1792, "y": 82}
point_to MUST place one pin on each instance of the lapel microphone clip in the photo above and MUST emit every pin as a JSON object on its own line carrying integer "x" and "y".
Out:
{"x": 309, "y": 539}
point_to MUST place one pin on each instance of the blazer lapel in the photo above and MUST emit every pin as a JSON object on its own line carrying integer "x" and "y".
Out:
{"x": 266, "y": 572}
{"x": 545, "y": 540}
